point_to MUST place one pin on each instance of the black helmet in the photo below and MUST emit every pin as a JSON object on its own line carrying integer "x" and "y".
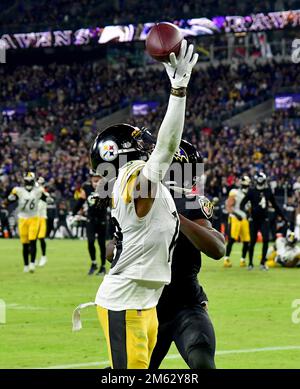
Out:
{"x": 260, "y": 180}
{"x": 245, "y": 182}
{"x": 117, "y": 140}
{"x": 187, "y": 155}
{"x": 29, "y": 180}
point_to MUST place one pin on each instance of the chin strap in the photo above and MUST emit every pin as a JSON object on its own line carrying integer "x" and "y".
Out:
{"x": 172, "y": 185}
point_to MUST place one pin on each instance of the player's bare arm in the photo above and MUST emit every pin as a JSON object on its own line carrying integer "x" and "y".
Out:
{"x": 169, "y": 136}
{"x": 203, "y": 236}
{"x": 229, "y": 204}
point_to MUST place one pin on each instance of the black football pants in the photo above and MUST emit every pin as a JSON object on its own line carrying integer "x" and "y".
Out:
{"x": 263, "y": 226}
{"x": 98, "y": 228}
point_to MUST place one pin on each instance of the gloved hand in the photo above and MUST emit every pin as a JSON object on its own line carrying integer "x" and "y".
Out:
{"x": 91, "y": 200}
{"x": 179, "y": 69}
{"x": 49, "y": 200}
{"x": 12, "y": 197}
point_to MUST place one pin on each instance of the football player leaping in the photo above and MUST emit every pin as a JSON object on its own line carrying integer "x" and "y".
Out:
{"x": 146, "y": 225}
{"x": 28, "y": 197}
{"x": 237, "y": 221}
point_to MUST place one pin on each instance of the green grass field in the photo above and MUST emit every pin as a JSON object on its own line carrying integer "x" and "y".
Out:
{"x": 251, "y": 312}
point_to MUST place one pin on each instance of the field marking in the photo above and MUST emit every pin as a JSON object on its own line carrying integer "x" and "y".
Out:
{"x": 25, "y": 307}
{"x": 177, "y": 356}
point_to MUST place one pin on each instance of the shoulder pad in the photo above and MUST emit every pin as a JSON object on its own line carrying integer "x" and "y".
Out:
{"x": 232, "y": 193}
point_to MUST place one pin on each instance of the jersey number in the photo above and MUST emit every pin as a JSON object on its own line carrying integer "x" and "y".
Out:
{"x": 31, "y": 205}
{"x": 263, "y": 202}
{"x": 119, "y": 241}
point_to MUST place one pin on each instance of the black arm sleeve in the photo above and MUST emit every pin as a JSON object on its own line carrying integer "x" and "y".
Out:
{"x": 78, "y": 206}
{"x": 276, "y": 206}
{"x": 44, "y": 197}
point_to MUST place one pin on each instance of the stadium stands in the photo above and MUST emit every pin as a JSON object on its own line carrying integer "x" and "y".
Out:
{"x": 68, "y": 13}
{"x": 58, "y": 99}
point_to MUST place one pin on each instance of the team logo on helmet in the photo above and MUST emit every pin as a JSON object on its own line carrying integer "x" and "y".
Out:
{"x": 108, "y": 150}
{"x": 181, "y": 156}
{"x": 206, "y": 206}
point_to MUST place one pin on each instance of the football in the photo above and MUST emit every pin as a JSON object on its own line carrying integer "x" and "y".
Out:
{"x": 162, "y": 40}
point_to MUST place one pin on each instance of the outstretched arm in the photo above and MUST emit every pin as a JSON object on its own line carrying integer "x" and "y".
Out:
{"x": 203, "y": 236}
{"x": 276, "y": 207}
{"x": 170, "y": 132}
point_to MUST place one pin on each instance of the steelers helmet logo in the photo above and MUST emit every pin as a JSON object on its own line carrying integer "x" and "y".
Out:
{"x": 181, "y": 156}
{"x": 108, "y": 150}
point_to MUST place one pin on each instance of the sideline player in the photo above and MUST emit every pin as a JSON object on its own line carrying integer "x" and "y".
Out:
{"x": 42, "y": 213}
{"x": 260, "y": 197}
{"x": 28, "y": 198}
{"x": 284, "y": 252}
{"x": 146, "y": 225}
{"x": 96, "y": 222}
{"x": 238, "y": 224}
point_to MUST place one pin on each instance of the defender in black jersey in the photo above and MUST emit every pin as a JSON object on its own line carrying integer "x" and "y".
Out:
{"x": 96, "y": 223}
{"x": 182, "y": 308}
{"x": 260, "y": 198}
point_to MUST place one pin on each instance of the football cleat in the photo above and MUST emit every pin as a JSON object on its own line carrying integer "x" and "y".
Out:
{"x": 26, "y": 269}
{"x": 263, "y": 267}
{"x": 101, "y": 271}
{"x": 31, "y": 267}
{"x": 250, "y": 267}
{"x": 227, "y": 263}
{"x": 43, "y": 261}
{"x": 242, "y": 263}
{"x": 92, "y": 270}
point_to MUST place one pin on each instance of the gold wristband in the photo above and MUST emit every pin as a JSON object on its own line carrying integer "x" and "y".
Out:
{"x": 178, "y": 92}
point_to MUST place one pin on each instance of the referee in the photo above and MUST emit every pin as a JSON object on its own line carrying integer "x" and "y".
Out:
{"x": 96, "y": 222}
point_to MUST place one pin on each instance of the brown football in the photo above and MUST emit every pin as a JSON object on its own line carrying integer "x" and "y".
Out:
{"x": 162, "y": 40}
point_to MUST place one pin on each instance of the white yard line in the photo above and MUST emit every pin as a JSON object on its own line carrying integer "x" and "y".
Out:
{"x": 177, "y": 356}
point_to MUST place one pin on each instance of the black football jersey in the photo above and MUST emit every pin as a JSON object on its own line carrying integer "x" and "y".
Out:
{"x": 260, "y": 201}
{"x": 93, "y": 213}
{"x": 184, "y": 289}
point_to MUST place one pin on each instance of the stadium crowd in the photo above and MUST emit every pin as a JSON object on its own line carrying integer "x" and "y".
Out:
{"x": 57, "y": 98}
{"x": 54, "y": 99}
{"x": 68, "y": 13}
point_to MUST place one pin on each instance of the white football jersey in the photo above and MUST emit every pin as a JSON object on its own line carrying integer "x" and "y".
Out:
{"x": 27, "y": 201}
{"x": 42, "y": 209}
{"x": 286, "y": 251}
{"x": 238, "y": 195}
{"x": 142, "y": 259}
